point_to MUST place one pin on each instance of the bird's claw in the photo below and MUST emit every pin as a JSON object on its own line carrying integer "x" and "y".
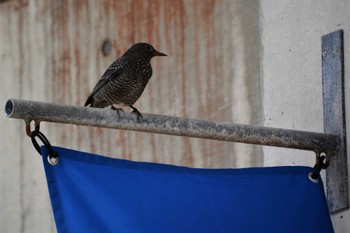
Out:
{"x": 138, "y": 114}
{"x": 135, "y": 111}
{"x": 117, "y": 109}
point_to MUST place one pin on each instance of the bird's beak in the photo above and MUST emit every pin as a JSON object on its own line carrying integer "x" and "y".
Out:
{"x": 159, "y": 54}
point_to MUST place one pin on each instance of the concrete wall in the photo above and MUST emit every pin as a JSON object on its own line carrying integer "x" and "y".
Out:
{"x": 50, "y": 50}
{"x": 292, "y": 76}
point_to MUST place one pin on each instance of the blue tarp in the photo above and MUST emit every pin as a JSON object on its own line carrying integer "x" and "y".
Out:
{"x": 92, "y": 193}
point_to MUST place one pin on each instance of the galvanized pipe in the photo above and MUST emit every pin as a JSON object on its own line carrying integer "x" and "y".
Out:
{"x": 223, "y": 131}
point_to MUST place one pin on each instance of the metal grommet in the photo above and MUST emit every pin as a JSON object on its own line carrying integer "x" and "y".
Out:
{"x": 52, "y": 160}
{"x": 312, "y": 177}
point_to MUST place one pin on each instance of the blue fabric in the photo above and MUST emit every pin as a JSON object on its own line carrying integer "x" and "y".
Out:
{"x": 91, "y": 193}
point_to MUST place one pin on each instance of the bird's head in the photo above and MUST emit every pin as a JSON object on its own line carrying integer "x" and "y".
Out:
{"x": 144, "y": 50}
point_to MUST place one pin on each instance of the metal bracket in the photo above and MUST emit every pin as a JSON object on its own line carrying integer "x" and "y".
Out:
{"x": 334, "y": 118}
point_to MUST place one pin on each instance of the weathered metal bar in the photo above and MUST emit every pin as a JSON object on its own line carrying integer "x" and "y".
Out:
{"x": 334, "y": 118}
{"x": 224, "y": 131}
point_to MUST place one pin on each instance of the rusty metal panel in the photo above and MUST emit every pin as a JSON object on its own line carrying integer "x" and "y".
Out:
{"x": 208, "y": 74}
{"x": 334, "y": 118}
{"x": 51, "y": 50}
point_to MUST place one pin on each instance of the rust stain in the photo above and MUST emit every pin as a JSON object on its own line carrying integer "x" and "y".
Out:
{"x": 122, "y": 143}
{"x": 61, "y": 53}
{"x": 17, "y": 5}
{"x": 138, "y": 149}
{"x": 177, "y": 18}
{"x": 203, "y": 26}
{"x": 61, "y": 73}
{"x": 20, "y": 52}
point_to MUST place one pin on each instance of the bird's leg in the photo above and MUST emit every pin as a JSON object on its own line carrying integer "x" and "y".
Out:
{"x": 138, "y": 114}
{"x": 116, "y": 109}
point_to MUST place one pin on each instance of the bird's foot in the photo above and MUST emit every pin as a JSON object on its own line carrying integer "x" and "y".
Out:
{"x": 117, "y": 109}
{"x": 135, "y": 111}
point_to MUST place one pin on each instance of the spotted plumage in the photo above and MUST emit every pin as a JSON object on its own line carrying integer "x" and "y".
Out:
{"x": 125, "y": 79}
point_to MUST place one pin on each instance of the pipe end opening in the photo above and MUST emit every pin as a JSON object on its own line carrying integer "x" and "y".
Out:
{"x": 9, "y": 107}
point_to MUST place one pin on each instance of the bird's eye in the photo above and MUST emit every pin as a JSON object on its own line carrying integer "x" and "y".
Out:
{"x": 149, "y": 48}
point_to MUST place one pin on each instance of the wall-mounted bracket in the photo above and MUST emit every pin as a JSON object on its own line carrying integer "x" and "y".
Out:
{"x": 334, "y": 118}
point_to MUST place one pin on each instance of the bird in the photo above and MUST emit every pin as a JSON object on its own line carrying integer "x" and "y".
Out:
{"x": 125, "y": 79}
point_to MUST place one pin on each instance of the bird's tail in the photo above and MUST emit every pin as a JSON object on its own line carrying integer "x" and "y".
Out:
{"x": 89, "y": 101}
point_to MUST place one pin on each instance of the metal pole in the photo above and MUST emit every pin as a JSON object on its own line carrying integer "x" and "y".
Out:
{"x": 223, "y": 131}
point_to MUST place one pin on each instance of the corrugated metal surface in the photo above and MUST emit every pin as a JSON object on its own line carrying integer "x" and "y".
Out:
{"x": 51, "y": 51}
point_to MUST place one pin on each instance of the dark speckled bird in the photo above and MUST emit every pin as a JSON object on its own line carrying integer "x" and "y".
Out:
{"x": 125, "y": 79}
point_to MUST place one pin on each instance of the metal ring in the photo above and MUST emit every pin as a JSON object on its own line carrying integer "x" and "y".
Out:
{"x": 327, "y": 160}
{"x": 322, "y": 162}
{"x": 33, "y": 134}
{"x": 52, "y": 157}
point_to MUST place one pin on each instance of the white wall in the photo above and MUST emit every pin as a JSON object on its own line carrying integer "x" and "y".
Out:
{"x": 291, "y": 72}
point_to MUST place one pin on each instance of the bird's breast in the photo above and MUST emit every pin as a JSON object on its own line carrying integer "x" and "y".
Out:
{"x": 140, "y": 71}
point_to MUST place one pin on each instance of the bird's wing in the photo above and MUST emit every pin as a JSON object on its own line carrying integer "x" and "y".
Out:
{"x": 112, "y": 71}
